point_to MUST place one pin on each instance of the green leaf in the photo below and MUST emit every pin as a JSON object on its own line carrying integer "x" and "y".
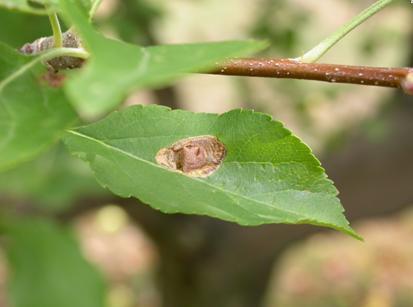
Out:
{"x": 32, "y": 116}
{"x": 116, "y": 68}
{"x": 26, "y": 27}
{"x": 47, "y": 268}
{"x": 268, "y": 175}
{"x": 53, "y": 181}
{"x": 32, "y": 7}
{"x": 44, "y": 7}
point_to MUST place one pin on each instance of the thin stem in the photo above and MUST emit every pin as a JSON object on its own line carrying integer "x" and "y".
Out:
{"x": 50, "y": 54}
{"x": 57, "y": 32}
{"x": 318, "y": 51}
{"x": 94, "y": 8}
{"x": 287, "y": 68}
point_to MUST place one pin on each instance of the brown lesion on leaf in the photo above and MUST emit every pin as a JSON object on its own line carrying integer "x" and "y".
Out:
{"x": 198, "y": 156}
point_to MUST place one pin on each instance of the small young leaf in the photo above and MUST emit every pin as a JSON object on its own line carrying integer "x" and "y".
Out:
{"x": 116, "y": 68}
{"x": 32, "y": 116}
{"x": 267, "y": 176}
{"x": 47, "y": 268}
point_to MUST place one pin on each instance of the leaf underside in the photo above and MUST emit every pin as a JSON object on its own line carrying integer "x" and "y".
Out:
{"x": 268, "y": 175}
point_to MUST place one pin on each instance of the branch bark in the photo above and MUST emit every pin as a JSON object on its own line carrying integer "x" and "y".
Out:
{"x": 288, "y": 68}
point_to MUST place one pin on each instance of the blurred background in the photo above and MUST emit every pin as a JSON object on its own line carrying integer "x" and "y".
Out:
{"x": 362, "y": 135}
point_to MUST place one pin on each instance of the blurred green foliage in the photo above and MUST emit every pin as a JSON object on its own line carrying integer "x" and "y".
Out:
{"x": 33, "y": 116}
{"x": 22, "y": 28}
{"x": 133, "y": 21}
{"x": 53, "y": 182}
{"x": 47, "y": 268}
{"x": 280, "y": 22}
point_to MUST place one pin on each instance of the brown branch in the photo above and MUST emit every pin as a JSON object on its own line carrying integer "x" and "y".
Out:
{"x": 286, "y": 68}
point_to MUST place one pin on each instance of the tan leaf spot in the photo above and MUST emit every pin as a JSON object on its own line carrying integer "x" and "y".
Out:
{"x": 198, "y": 156}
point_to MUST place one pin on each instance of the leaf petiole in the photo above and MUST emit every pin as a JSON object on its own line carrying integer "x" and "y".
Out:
{"x": 318, "y": 51}
{"x": 57, "y": 32}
